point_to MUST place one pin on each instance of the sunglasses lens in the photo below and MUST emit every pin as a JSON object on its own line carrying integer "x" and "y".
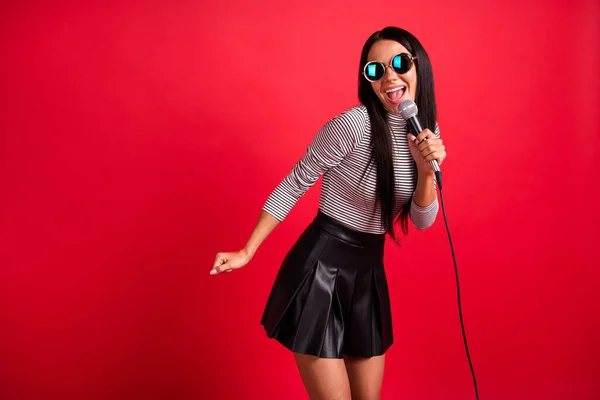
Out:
{"x": 373, "y": 71}
{"x": 401, "y": 63}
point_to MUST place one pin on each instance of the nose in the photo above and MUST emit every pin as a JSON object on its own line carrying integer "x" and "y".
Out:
{"x": 389, "y": 73}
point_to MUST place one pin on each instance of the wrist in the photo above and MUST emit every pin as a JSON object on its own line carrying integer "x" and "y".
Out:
{"x": 248, "y": 251}
{"x": 425, "y": 172}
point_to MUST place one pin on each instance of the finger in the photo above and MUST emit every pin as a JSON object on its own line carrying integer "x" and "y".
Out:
{"x": 426, "y": 134}
{"x": 220, "y": 269}
{"x": 431, "y": 157}
{"x": 220, "y": 259}
{"x": 431, "y": 144}
{"x": 427, "y": 153}
{"x": 429, "y": 140}
{"x": 411, "y": 139}
{"x": 436, "y": 155}
{"x": 428, "y": 146}
{"x": 425, "y": 145}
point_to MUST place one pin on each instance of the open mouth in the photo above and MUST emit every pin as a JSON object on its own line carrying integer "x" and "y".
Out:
{"x": 395, "y": 94}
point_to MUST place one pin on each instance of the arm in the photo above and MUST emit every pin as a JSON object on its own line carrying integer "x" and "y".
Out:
{"x": 333, "y": 142}
{"x": 424, "y": 207}
{"x": 425, "y": 192}
{"x": 233, "y": 260}
{"x": 265, "y": 225}
{"x": 338, "y": 137}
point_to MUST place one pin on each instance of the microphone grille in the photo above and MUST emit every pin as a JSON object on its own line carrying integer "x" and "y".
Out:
{"x": 407, "y": 109}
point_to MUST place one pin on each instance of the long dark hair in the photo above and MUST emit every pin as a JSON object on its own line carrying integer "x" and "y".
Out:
{"x": 380, "y": 131}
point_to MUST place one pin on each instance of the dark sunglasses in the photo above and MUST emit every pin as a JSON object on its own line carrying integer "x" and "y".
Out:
{"x": 400, "y": 63}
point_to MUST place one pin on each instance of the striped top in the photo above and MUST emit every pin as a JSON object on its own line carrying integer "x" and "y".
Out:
{"x": 340, "y": 152}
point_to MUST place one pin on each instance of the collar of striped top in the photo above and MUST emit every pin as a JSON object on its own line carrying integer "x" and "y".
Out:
{"x": 394, "y": 117}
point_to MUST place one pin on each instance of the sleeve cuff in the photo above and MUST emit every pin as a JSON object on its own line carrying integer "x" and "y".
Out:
{"x": 423, "y": 217}
{"x": 279, "y": 203}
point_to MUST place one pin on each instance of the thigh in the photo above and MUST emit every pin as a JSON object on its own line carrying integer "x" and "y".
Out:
{"x": 323, "y": 378}
{"x": 365, "y": 376}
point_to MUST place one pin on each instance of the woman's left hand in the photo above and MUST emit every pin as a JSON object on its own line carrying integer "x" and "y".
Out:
{"x": 427, "y": 147}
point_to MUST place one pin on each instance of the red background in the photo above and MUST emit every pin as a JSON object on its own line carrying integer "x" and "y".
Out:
{"x": 138, "y": 139}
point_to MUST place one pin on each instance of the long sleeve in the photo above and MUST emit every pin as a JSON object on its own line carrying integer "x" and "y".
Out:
{"x": 338, "y": 137}
{"x": 424, "y": 217}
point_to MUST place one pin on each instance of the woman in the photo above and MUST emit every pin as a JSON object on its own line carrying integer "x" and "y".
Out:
{"x": 329, "y": 303}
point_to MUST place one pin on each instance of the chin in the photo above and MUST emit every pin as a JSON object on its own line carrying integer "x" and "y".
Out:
{"x": 392, "y": 110}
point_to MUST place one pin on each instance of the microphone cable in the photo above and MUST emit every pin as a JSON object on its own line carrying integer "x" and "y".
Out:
{"x": 438, "y": 176}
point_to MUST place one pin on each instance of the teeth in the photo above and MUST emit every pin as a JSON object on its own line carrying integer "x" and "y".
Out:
{"x": 395, "y": 89}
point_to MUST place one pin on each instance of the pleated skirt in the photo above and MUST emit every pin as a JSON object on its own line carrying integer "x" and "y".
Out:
{"x": 330, "y": 296}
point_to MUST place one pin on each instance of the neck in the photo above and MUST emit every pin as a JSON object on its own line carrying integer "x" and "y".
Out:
{"x": 393, "y": 116}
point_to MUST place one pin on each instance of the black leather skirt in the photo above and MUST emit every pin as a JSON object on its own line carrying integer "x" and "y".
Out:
{"x": 330, "y": 296}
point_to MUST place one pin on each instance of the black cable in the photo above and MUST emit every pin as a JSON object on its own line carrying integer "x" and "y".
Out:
{"x": 462, "y": 325}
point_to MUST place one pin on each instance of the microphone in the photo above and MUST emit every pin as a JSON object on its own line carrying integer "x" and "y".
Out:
{"x": 408, "y": 111}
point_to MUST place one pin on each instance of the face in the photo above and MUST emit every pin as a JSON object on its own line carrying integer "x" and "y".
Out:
{"x": 392, "y": 88}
